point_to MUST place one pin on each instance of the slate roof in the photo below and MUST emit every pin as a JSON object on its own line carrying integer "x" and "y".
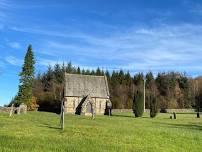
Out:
{"x": 77, "y": 85}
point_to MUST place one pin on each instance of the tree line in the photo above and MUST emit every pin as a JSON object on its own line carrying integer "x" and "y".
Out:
{"x": 171, "y": 90}
{"x": 166, "y": 90}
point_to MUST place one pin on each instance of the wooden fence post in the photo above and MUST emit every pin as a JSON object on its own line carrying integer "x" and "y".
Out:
{"x": 62, "y": 115}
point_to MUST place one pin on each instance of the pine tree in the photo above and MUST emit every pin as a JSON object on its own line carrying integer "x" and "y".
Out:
{"x": 98, "y": 71}
{"x": 47, "y": 79}
{"x": 92, "y": 72}
{"x": 69, "y": 68}
{"x": 78, "y": 70}
{"x": 26, "y": 79}
{"x": 83, "y": 71}
{"x": 58, "y": 73}
{"x": 149, "y": 77}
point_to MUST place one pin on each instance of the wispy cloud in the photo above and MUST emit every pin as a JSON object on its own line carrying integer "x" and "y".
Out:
{"x": 13, "y": 61}
{"x": 14, "y": 45}
{"x": 47, "y": 62}
{"x": 52, "y": 62}
{"x": 4, "y": 7}
{"x": 4, "y": 4}
{"x": 161, "y": 48}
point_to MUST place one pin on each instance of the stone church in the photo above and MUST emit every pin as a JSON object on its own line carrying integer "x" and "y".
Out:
{"x": 86, "y": 94}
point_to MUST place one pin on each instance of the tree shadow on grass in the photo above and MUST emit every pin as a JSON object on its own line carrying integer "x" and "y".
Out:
{"x": 128, "y": 116}
{"x": 125, "y": 116}
{"x": 50, "y": 126}
{"x": 190, "y": 126}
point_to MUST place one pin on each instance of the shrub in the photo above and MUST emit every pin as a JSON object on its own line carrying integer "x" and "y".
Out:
{"x": 153, "y": 106}
{"x": 138, "y": 104}
{"x": 33, "y": 106}
{"x": 163, "y": 110}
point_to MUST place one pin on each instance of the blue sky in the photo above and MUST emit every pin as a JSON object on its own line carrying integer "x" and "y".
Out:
{"x": 134, "y": 35}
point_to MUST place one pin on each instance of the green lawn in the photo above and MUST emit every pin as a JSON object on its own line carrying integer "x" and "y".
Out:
{"x": 39, "y": 132}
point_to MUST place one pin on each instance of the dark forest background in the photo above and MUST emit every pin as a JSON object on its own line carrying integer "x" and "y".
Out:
{"x": 172, "y": 89}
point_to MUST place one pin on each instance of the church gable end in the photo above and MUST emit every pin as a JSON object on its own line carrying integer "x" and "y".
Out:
{"x": 78, "y": 88}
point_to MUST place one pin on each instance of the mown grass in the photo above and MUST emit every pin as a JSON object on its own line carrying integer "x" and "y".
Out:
{"x": 39, "y": 132}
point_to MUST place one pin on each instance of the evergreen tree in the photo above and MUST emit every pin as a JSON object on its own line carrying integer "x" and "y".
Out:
{"x": 128, "y": 79}
{"x": 47, "y": 79}
{"x": 63, "y": 67}
{"x": 87, "y": 72}
{"x": 58, "y": 73}
{"x": 121, "y": 76}
{"x": 98, "y": 72}
{"x": 78, "y": 70}
{"x": 138, "y": 104}
{"x": 92, "y": 72}
{"x": 149, "y": 77}
{"x": 69, "y": 68}
{"x": 108, "y": 76}
{"x": 153, "y": 106}
{"x": 139, "y": 79}
{"x": 26, "y": 79}
{"x": 83, "y": 71}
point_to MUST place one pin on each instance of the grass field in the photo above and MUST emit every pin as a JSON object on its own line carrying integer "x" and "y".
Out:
{"x": 39, "y": 132}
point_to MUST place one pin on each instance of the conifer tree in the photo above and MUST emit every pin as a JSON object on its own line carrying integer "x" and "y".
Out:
{"x": 153, "y": 106}
{"x": 153, "y": 96}
{"x": 138, "y": 104}
{"x": 78, "y": 70}
{"x": 58, "y": 73}
{"x": 69, "y": 68}
{"x": 98, "y": 71}
{"x": 26, "y": 79}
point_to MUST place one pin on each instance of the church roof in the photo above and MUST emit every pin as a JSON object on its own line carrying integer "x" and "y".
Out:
{"x": 77, "y": 85}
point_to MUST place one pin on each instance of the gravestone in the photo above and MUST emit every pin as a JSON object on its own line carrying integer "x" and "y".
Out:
{"x": 22, "y": 109}
{"x": 174, "y": 115}
{"x": 109, "y": 107}
{"x": 198, "y": 115}
{"x": 12, "y": 110}
{"x": 198, "y": 112}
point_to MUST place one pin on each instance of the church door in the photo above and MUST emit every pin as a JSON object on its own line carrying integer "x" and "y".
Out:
{"x": 89, "y": 108}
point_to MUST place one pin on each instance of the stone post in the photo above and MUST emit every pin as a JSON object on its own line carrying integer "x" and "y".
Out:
{"x": 11, "y": 111}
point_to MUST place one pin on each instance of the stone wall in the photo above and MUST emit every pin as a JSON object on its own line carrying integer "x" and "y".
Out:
{"x": 5, "y": 109}
{"x": 168, "y": 110}
{"x": 122, "y": 110}
{"x": 181, "y": 110}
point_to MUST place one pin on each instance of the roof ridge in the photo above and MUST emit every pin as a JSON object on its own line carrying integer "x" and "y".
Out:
{"x": 84, "y": 75}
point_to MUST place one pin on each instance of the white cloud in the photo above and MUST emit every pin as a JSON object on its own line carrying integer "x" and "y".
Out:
{"x": 13, "y": 61}
{"x": 47, "y": 62}
{"x": 166, "y": 47}
{"x": 162, "y": 46}
{"x": 52, "y": 62}
{"x": 14, "y": 45}
{"x": 4, "y": 7}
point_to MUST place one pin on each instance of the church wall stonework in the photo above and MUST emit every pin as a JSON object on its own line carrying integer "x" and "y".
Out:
{"x": 71, "y": 103}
